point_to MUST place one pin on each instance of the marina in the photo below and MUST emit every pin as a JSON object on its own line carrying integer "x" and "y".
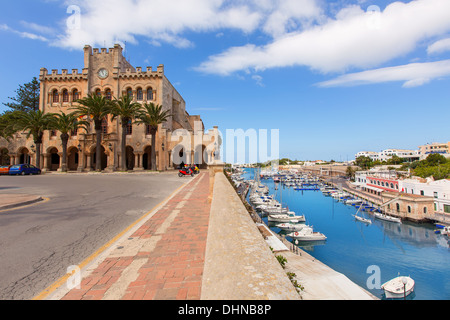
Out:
{"x": 370, "y": 250}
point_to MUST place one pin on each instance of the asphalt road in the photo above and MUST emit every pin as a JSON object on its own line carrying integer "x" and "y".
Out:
{"x": 85, "y": 211}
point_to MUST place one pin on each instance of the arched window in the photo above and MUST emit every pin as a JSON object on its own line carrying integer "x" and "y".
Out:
{"x": 105, "y": 125}
{"x": 139, "y": 94}
{"x": 409, "y": 209}
{"x": 108, "y": 94}
{"x": 75, "y": 95}
{"x": 392, "y": 186}
{"x": 129, "y": 128}
{"x": 65, "y": 95}
{"x": 398, "y": 207}
{"x": 130, "y": 92}
{"x": 98, "y": 92}
{"x": 424, "y": 209}
{"x": 149, "y": 94}
{"x": 55, "y": 96}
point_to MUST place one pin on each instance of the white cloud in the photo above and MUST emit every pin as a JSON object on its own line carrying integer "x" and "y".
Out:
{"x": 439, "y": 46}
{"x": 413, "y": 75}
{"x": 26, "y": 35}
{"x": 352, "y": 39}
{"x": 112, "y": 20}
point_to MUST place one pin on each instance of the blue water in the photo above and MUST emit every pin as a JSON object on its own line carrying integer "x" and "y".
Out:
{"x": 352, "y": 247}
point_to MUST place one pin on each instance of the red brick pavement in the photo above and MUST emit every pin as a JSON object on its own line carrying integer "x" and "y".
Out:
{"x": 173, "y": 269}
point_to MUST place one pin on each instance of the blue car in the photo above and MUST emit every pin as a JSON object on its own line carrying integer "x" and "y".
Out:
{"x": 24, "y": 169}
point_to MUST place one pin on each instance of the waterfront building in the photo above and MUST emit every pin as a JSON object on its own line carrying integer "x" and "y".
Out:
{"x": 438, "y": 190}
{"x": 108, "y": 73}
{"x": 408, "y": 206}
{"x": 405, "y": 155}
{"x": 384, "y": 155}
{"x": 435, "y": 147}
{"x": 370, "y": 154}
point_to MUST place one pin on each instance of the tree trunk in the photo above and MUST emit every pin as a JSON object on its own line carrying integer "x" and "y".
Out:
{"x": 64, "y": 140}
{"x": 123, "y": 159}
{"x": 98, "y": 144}
{"x": 38, "y": 142}
{"x": 153, "y": 155}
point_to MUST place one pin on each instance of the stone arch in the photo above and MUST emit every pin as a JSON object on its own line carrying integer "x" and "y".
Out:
{"x": 73, "y": 158}
{"x": 103, "y": 157}
{"x": 147, "y": 158}
{"x": 54, "y": 158}
{"x": 24, "y": 155}
{"x": 200, "y": 156}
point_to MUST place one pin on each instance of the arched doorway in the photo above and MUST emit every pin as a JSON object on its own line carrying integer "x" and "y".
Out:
{"x": 54, "y": 159}
{"x": 4, "y": 157}
{"x": 72, "y": 158}
{"x": 179, "y": 156}
{"x": 199, "y": 157}
{"x": 147, "y": 158}
{"x": 103, "y": 158}
{"x": 24, "y": 157}
{"x": 130, "y": 158}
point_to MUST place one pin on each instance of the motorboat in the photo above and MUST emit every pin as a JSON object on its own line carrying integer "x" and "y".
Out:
{"x": 291, "y": 226}
{"x": 398, "y": 288}
{"x": 307, "y": 234}
{"x": 385, "y": 217}
{"x": 286, "y": 217}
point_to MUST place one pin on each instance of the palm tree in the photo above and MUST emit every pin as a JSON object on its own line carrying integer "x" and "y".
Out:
{"x": 152, "y": 115}
{"x": 94, "y": 107}
{"x": 34, "y": 123}
{"x": 66, "y": 123}
{"x": 126, "y": 110}
{"x": 6, "y": 126}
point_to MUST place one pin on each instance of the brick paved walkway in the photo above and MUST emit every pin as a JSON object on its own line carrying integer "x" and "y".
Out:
{"x": 163, "y": 259}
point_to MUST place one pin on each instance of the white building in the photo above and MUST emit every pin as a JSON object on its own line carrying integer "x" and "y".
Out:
{"x": 439, "y": 190}
{"x": 371, "y": 154}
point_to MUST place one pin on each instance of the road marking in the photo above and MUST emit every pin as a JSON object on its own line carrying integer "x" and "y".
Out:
{"x": 44, "y": 200}
{"x": 44, "y": 294}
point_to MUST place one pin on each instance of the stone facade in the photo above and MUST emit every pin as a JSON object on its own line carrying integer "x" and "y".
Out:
{"x": 107, "y": 72}
{"x": 408, "y": 206}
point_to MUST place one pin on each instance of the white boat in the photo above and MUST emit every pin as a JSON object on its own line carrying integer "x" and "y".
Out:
{"x": 353, "y": 201}
{"x": 368, "y": 221}
{"x": 399, "y": 287}
{"x": 387, "y": 218}
{"x": 286, "y": 217}
{"x": 307, "y": 234}
{"x": 291, "y": 226}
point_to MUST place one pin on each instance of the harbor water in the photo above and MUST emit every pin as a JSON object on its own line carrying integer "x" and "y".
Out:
{"x": 370, "y": 254}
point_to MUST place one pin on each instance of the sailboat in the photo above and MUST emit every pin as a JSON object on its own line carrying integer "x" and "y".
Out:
{"x": 361, "y": 219}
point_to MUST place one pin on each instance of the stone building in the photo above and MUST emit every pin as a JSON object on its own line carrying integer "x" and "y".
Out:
{"x": 106, "y": 72}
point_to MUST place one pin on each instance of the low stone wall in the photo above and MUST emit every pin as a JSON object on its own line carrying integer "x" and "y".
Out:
{"x": 239, "y": 264}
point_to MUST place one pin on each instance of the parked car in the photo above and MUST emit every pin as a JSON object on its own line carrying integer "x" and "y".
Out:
{"x": 24, "y": 169}
{"x": 4, "y": 169}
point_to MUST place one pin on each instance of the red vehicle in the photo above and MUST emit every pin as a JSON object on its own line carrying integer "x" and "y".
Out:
{"x": 186, "y": 172}
{"x": 4, "y": 169}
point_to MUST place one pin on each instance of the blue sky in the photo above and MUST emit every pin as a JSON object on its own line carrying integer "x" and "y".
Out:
{"x": 335, "y": 77}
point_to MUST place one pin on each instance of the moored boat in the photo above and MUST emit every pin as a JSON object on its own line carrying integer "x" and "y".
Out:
{"x": 385, "y": 217}
{"x": 307, "y": 234}
{"x": 286, "y": 217}
{"x": 291, "y": 226}
{"x": 398, "y": 288}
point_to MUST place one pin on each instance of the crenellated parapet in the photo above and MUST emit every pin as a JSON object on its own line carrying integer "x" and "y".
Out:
{"x": 138, "y": 73}
{"x": 44, "y": 75}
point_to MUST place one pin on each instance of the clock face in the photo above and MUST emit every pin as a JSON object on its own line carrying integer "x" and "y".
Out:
{"x": 103, "y": 73}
